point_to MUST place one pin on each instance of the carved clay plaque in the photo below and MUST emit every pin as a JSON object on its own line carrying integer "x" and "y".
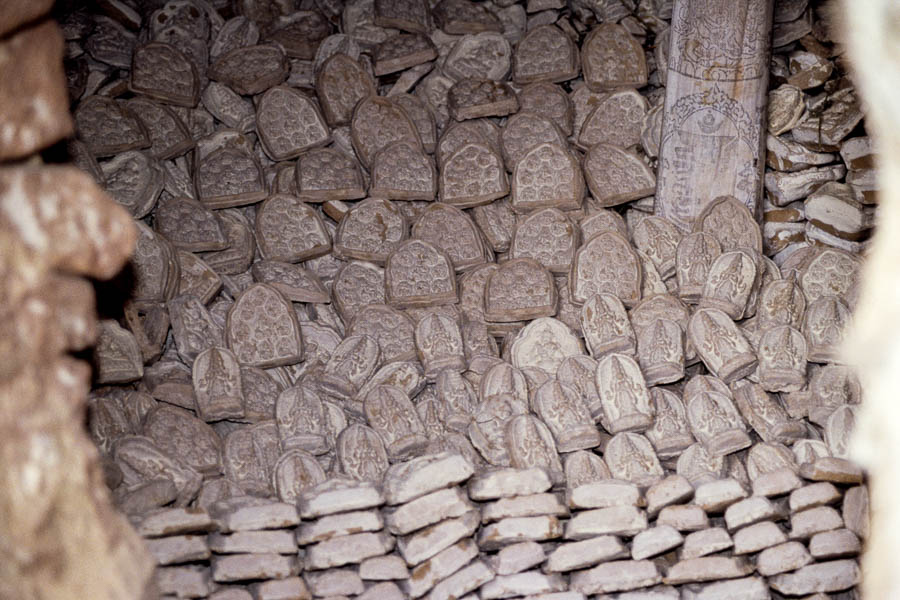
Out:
{"x": 340, "y": 84}
{"x": 671, "y": 432}
{"x": 525, "y": 130}
{"x": 615, "y": 176}
{"x": 548, "y": 100}
{"x": 473, "y": 175}
{"x": 606, "y": 326}
{"x": 376, "y": 123}
{"x": 544, "y": 343}
{"x": 566, "y": 414}
{"x": 289, "y": 230}
{"x": 630, "y": 457}
{"x": 217, "y": 385}
{"x": 606, "y": 264}
{"x": 721, "y": 345}
{"x": 547, "y": 236}
{"x": 451, "y": 230}
{"x": 361, "y": 453}
{"x": 163, "y": 73}
{"x": 357, "y": 284}
{"x": 402, "y": 171}
{"x": 530, "y": 444}
{"x": 391, "y": 414}
{"x": 288, "y": 123}
{"x": 547, "y": 176}
{"x": 694, "y": 256}
{"x": 370, "y": 231}
{"x": 519, "y": 289}
{"x": 623, "y": 394}
{"x": 545, "y": 54}
{"x": 262, "y": 328}
{"x": 612, "y": 58}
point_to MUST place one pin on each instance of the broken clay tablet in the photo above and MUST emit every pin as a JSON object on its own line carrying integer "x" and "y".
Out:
{"x": 288, "y": 123}
{"x": 251, "y": 70}
{"x": 545, "y": 54}
{"x": 325, "y": 174}
{"x": 262, "y": 328}
{"x": 547, "y": 176}
{"x": 289, "y": 230}
{"x": 472, "y": 176}
{"x": 406, "y": 15}
{"x": 497, "y": 222}
{"x": 197, "y": 278}
{"x": 296, "y": 283}
{"x": 486, "y": 55}
{"x": 403, "y": 51}
{"x": 161, "y": 72}
{"x": 612, "y": 58}
{"x": 378, "y": 122}
{"x": 476, "y": 98}
{"x": 615, "y": 176}
{"x": 459, "y": 17}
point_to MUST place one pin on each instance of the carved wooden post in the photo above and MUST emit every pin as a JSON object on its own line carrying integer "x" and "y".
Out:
{"x": 713, "y": 133}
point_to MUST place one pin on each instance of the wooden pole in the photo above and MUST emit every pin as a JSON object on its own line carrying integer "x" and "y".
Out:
{"x": 713, "y": 137}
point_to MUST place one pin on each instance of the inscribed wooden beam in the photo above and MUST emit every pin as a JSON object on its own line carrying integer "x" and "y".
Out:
{"x": 713, "y": 130}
